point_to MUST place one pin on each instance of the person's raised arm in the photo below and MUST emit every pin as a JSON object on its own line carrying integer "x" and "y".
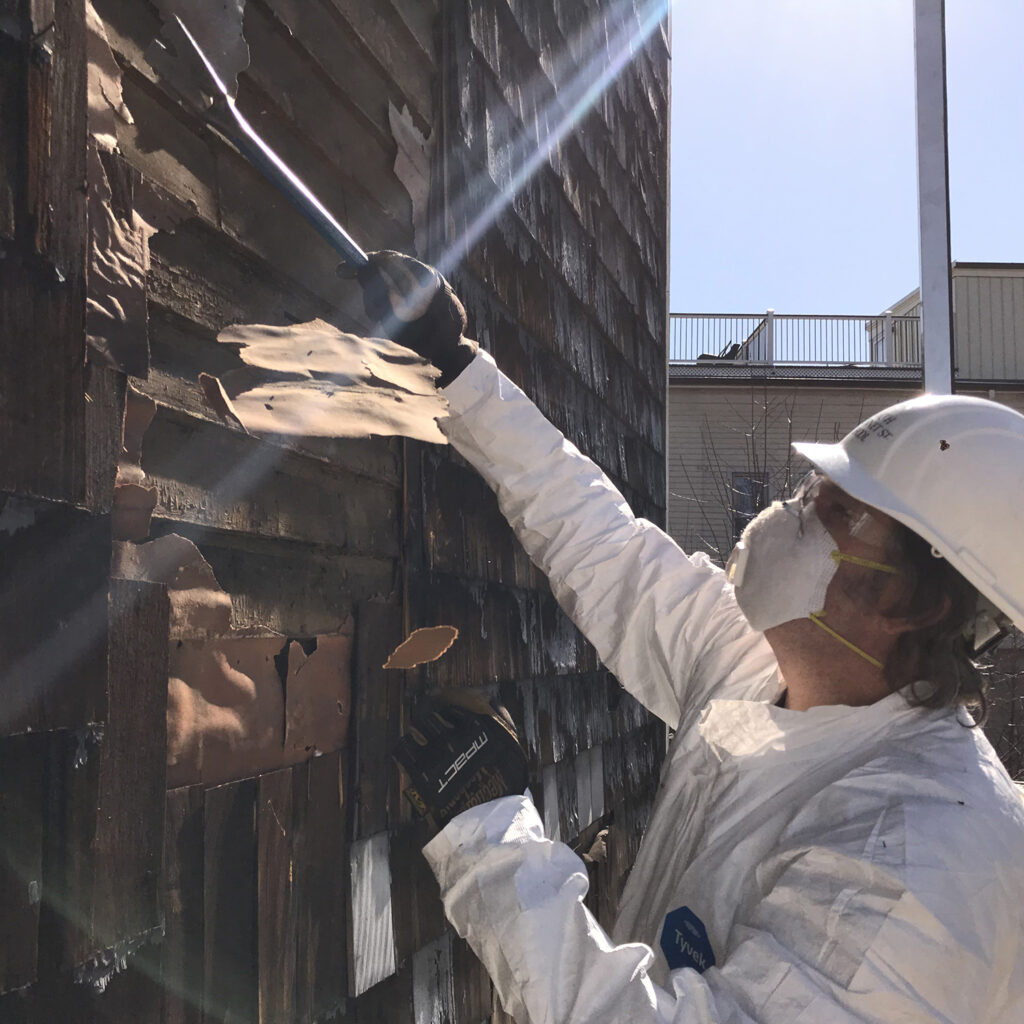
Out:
{"x": 664, "y": 623}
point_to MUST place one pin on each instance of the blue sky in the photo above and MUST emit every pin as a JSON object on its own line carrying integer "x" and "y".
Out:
{"x": 794, "y": 167}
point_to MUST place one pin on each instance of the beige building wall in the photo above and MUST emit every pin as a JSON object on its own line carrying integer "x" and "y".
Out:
{"x": 988, "y": 320}
{"x": 716, "y": 431}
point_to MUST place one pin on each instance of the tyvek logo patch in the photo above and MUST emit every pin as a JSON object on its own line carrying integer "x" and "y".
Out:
{"x": 684, "y": 941}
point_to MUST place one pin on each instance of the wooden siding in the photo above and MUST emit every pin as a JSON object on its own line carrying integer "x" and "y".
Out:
{"x": 292, "y": 888}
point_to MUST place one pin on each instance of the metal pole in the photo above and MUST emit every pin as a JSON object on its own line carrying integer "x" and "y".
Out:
{"x": 933, "y": 195}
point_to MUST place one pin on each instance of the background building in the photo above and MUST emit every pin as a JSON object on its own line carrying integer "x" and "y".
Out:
{"x": 743, "y": 387}
{"x": 233, "y": 845}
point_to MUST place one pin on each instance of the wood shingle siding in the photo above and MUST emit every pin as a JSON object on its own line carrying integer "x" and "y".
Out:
{"x": 293, "y": 888}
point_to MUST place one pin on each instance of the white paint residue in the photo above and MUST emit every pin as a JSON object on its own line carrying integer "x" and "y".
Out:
{"x": 433, "y": 993}
{"x": 412, "y": 168}
{"x": 584, "y": 807}
{"x": 552, "y": 826}
{"x": 597, "y": 782}
{"x": 373, "y": 936}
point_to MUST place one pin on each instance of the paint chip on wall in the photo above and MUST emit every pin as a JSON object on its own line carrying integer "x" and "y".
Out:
{"x": 318, "y": 693}
{"x": 312, "y": 380}
{"x": 412, "y": 168}
{"x": 217, "y": 28}
{"x": 116, "y": 311}
{"x": 133, "y": 500}
{"x": 200, "y": 608}
{"x": 422, "y": 646}
{"x": 433, "y": 988}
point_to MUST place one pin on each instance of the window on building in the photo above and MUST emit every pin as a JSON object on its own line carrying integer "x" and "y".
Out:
{"x": 749, "y": 496}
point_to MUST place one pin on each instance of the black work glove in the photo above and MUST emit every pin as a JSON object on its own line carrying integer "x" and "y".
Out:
{"x": 414, "y": 305}
{"x": 460, "y": 750}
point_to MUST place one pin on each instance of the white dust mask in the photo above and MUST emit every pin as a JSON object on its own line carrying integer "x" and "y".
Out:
{"x": 782, "y": 565}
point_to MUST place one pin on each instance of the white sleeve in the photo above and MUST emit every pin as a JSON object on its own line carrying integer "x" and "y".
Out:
{"x": 833, "y": 942}
{"x": 666, "y": 624}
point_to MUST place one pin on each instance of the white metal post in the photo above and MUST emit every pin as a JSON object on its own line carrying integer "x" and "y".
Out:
{"x": 769, "y": 339}
{"x": 888, "y": 340}
{"x": 933, "y": 195}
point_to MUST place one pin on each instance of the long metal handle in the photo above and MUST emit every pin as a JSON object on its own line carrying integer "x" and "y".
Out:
{"x": 225, "y": 116}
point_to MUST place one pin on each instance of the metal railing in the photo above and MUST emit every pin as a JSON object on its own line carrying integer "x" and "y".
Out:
{"x": 881, "y": 340}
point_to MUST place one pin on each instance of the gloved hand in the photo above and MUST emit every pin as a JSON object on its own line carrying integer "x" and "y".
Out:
{"x": 411, "y": 303}
{"x": 460, "y": 750}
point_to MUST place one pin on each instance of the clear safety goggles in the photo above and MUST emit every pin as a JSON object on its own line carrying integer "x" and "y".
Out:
{"x": 833, "y": 504}
{"x": 988, "y": 627}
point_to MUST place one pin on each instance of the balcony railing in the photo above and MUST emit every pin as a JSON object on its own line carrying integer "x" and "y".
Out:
{"x": 884, "y": 340}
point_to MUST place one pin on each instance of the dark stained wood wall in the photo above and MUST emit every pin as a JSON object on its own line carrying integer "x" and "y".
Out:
{"x": 298, "y": 893}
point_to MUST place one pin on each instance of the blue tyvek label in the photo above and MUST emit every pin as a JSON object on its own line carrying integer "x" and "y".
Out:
{"x": 684, "y": 941}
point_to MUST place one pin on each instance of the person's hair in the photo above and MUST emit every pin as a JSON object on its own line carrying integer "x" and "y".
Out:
{"x": 937, "y": 657}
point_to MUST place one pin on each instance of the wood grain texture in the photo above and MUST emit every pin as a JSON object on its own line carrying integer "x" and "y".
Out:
{"x": 129, "y": 838}
{"x": 181, "y": 952}
{"x": 321, "y": 889}
{"x": 230, "y": 944}
{"x": 260, "y": 885}
{"x": 42, "y": 294}
{"x": 377, "y": 713}
{"x": 276, "y": 836}
{"x": 23, "y": 790}
{"x": 53, "y": 617}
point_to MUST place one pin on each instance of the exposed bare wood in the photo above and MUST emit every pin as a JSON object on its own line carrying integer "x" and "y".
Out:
{"x": 230, "y": 923}
{"x": 23, "y": 773}
{"x": 129, "y": 838}
{"x": 275, "y": 832}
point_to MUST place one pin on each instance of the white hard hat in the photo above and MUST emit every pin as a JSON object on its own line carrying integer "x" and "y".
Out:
{"x": 952, "y": 469}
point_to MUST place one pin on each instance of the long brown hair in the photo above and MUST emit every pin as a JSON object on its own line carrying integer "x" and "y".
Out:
{"x": 936, "y": 657}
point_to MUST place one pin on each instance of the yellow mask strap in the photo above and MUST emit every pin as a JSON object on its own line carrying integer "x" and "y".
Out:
{"x": 815, "y": 617}
{"x": 838, "y": 556}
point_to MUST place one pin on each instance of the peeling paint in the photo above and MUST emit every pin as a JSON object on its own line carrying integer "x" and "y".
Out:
{"x": 560, "y": 644}
{"x": 422, "y": 646}
{"x": 433, "y": 990}
{"x": 597, "y": 782}
{"x": 98, "y": 971}
{"x": 217, "y": 27}
{"x": 87, "y": 738}
{"x": 478, "y": 591}
{"x": 133, "y": 500}
{"x": 116, "y": 312}
{"x": 552, "y": 818}
{"x": 584, "y": 805}
{"x": 412, "y": 168}
{"x": 318, "y": 694}
{"x": 200, "y": 608}
{"x": 225, "y": 710}
{"x": 106, "y": 106}
{"x": 312, "y": 380}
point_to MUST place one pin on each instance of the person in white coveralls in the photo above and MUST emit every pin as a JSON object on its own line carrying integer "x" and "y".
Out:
{"x": 833, "y": 840}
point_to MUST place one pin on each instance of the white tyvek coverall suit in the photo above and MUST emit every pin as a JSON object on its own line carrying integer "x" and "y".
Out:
{"x": 848, "y": 864}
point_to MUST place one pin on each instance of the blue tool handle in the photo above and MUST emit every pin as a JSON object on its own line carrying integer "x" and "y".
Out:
{"x": 225, "y": 116}
{"x": 264, "y": 159}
